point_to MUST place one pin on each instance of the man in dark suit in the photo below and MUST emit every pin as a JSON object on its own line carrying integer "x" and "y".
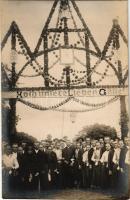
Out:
{"x": 15, "y": 149}
{"x": 59, "y": 174}
{"x": 67, "y": 155}
{"x": 37, "y": 155}
{"x": 21, "y": 170}
{"x": 124, "y": 164}
{"x": 43, "y": 167}
{"x": 24, "y": 145}
{"x": 31, "y": 171}
{"x": 76, "y": 167}
{"x": 106, "y": 166}
{"x": 115, "y": 160}
{"x": 52, "y": 167}
{"x": 103, "y": 144}
{"x": 92, "y": 148}
{"x": 123, "y": 152}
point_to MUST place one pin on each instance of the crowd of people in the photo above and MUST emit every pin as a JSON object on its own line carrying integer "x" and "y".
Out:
{"x": 58, "y": 164}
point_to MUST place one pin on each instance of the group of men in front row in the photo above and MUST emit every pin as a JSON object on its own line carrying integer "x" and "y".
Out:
{"x": 88, "y": 163}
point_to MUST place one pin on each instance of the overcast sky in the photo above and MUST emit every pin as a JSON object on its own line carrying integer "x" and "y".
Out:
{"x": 30, "y": 17}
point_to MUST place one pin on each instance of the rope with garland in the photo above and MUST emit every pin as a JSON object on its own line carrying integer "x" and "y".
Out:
{"x": 81, "y": 80}
{"x": 84, "y": 78}
{"x": 34, "y": 59}
{"x": 110, "y": 75}
{"x": 85, "y": 110}
{"x": 94, "y": 83}
{"x": 78, "y": 81}
{"x": 99, "y": 73}
{"x": 40, "y": 67}
{"x": 113, "y": 39}
{"x": 35, "y": 106}
{"x": 25, "y": 53}
{"x": 56, "y": 107}
{"x": 94, "y": 71}
{"x": 102, "y": 74}
{"x": 92, "y": 104}
{"x": 39, "y": 74}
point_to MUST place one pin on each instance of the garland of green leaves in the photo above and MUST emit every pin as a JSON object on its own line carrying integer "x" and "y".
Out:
{"x": 92, "y": 104}
{"x": 85, "y": 110}
{"x": 95, "y": 106}
{"x": 38, "y": 107}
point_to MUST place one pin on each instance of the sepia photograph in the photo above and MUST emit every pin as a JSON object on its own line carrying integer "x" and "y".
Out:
{"x": 64, "y": 99}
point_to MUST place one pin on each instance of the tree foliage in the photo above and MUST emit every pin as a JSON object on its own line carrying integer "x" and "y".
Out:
{"x": 21, "y": 136}
{"x": 97, "y": 131}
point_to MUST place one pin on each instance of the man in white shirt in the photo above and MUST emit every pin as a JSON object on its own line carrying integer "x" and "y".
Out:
{"x": 10, "y": 166}
{"x": 116, "y": 157}
{"x": 104, "y": 158}
{"x": 84, "y": 144}
{"x": 58, "y": 152}
{"x": 97, "y": 166}
{"x": 9, "y": 160}
{"x": 59, "y": 170}
{"x": 85, "y": 159}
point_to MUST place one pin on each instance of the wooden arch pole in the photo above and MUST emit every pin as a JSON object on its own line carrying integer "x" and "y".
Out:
{"x": 12, "y": 102}
{"x": 123, "y": 111}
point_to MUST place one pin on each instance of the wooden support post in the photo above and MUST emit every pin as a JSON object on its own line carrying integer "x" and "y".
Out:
{"x": 45, "y": 41}
{"x": 12, "y": 102}
{"x": 88, "y": 61}
{"x": 66, "y": 38}
{"x": 67, "y": 69}
{"x": 123, "y": 111}
{"x": 123, "y": 118}
{"x": 66, "y": 43}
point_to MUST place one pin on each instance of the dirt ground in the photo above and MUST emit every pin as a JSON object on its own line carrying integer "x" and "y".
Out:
{"x": 68, "y": 194}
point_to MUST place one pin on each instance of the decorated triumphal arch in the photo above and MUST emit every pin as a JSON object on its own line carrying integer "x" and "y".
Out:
{"x": 70, "y": 64}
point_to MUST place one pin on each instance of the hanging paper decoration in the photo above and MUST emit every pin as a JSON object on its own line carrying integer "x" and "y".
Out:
{"x": 66, "y": 56}
{"x": 72, "y": 117}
